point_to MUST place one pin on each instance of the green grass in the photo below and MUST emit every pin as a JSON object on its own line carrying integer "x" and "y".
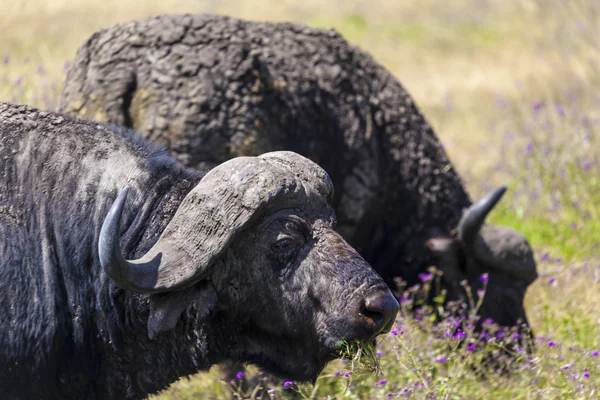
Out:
{"x": 551, "y": 233}
{"x": 353, "y": 26}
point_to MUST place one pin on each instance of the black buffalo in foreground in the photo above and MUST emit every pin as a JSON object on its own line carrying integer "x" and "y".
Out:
{"x": 120, "y": 271}
{"x": 211, "y": 88}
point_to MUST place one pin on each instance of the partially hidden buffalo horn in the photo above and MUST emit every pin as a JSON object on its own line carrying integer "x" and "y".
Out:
{"x": 137, "y": 276}
{"x": 497, "y": 248}
{"x": 223, "y": 203}
{"x": 472, "y": 220}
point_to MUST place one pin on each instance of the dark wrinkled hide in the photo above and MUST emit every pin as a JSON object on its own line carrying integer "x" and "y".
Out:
{"x": 211, "y": 88}
{"x": 67, "y": 331}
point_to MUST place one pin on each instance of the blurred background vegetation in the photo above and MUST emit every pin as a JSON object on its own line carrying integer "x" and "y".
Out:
{"x": 511, "y": 88}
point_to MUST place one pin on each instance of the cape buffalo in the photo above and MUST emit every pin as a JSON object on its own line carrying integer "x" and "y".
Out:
{"x": 120, "y": 271}
{"x": 212, "y": 87}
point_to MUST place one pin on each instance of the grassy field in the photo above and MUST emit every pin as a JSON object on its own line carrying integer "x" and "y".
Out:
{"x": 512, "y": 89}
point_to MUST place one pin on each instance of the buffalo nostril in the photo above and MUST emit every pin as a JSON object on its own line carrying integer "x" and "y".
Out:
{"x": 381, "y": 308}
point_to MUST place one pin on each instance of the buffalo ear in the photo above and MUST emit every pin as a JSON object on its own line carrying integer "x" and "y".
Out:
{"x": 166, "y": 308}
{"x": 448, "y": 253}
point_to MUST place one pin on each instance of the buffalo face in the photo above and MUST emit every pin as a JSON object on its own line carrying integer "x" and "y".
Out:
{"x": 300, "y": 291}
{"x": 253, "y": 244}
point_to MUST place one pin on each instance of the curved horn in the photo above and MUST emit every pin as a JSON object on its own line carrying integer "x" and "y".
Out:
{"x": 473, "y": 219}
{"x": 225, "y": 201}
{"x": 498, "y": 248}
{"x": 135, "y": 275}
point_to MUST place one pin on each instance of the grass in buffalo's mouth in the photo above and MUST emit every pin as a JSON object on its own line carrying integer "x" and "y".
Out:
{"x": 361, "y": 356}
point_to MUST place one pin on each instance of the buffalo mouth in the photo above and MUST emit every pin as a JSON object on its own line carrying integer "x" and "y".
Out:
{"x": 302, "y": 359}
{"x": 294, "y": 367}
{"x": 308, "y": 370}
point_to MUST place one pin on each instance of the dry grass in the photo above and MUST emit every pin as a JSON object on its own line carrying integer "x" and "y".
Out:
{"x": 511, "y": 88}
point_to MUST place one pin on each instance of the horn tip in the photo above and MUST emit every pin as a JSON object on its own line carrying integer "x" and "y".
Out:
{"x": 121, "y": 197}
{"x": 501, "y": 190}
{"x": 494, "y": 197}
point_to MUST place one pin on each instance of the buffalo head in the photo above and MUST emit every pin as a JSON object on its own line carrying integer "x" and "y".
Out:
{"x": 253, "y": 246}
{"x": 501, "y": 253}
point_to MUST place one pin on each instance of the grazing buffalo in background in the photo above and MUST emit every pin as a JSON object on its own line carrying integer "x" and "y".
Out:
{"x": 210, "y": 88}
{"x": 239, "y": 264}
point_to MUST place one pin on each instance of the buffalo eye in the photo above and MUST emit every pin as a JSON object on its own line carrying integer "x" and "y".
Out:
{"x": 286, "y": 236}
{"x": 285, "y": 245}
{"x": 285, "y": 248}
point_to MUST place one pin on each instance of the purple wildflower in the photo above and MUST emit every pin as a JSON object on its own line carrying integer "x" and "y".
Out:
{"x": 337, "y": 373}
{"x": 560, "y": 110}
{"x": 460, "y": 334}
{"x": 471, "y": 347}
{"x": 551, "y": 343}
{"x": 347, "y": 374}
{"x": 529, "y": 148}
{"x": 441, "y": 360}
{"x": 239, "y": 375}
{"x": 378, "y": 353}
{"x": 6, "y": 60}
{"x": 426, "y": 277}
{"x": 287, "y": 384}
{"x": 586, "y": 374}
{"x": 404, "y": 300}
{"x": 390, "y": 394}
{"x": 551, "y": 281}
{"x": 587, "y": 165}
{"x": 565, "y": 367}
{"x": 484, "y": 278}
{"x": 595, "y": 353}
{"x": 537, "y": 106}
{"x": 382, "y": 382}
{"x": 394, "y": 332}
{"x": 19, "y": 81}
{"x": 516, "y": 336}
{"x": 500, "y": 103}
{"x": 41, "y": 70}
{"x": 573, "y": 225}
{"x": 545, "y": 257}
